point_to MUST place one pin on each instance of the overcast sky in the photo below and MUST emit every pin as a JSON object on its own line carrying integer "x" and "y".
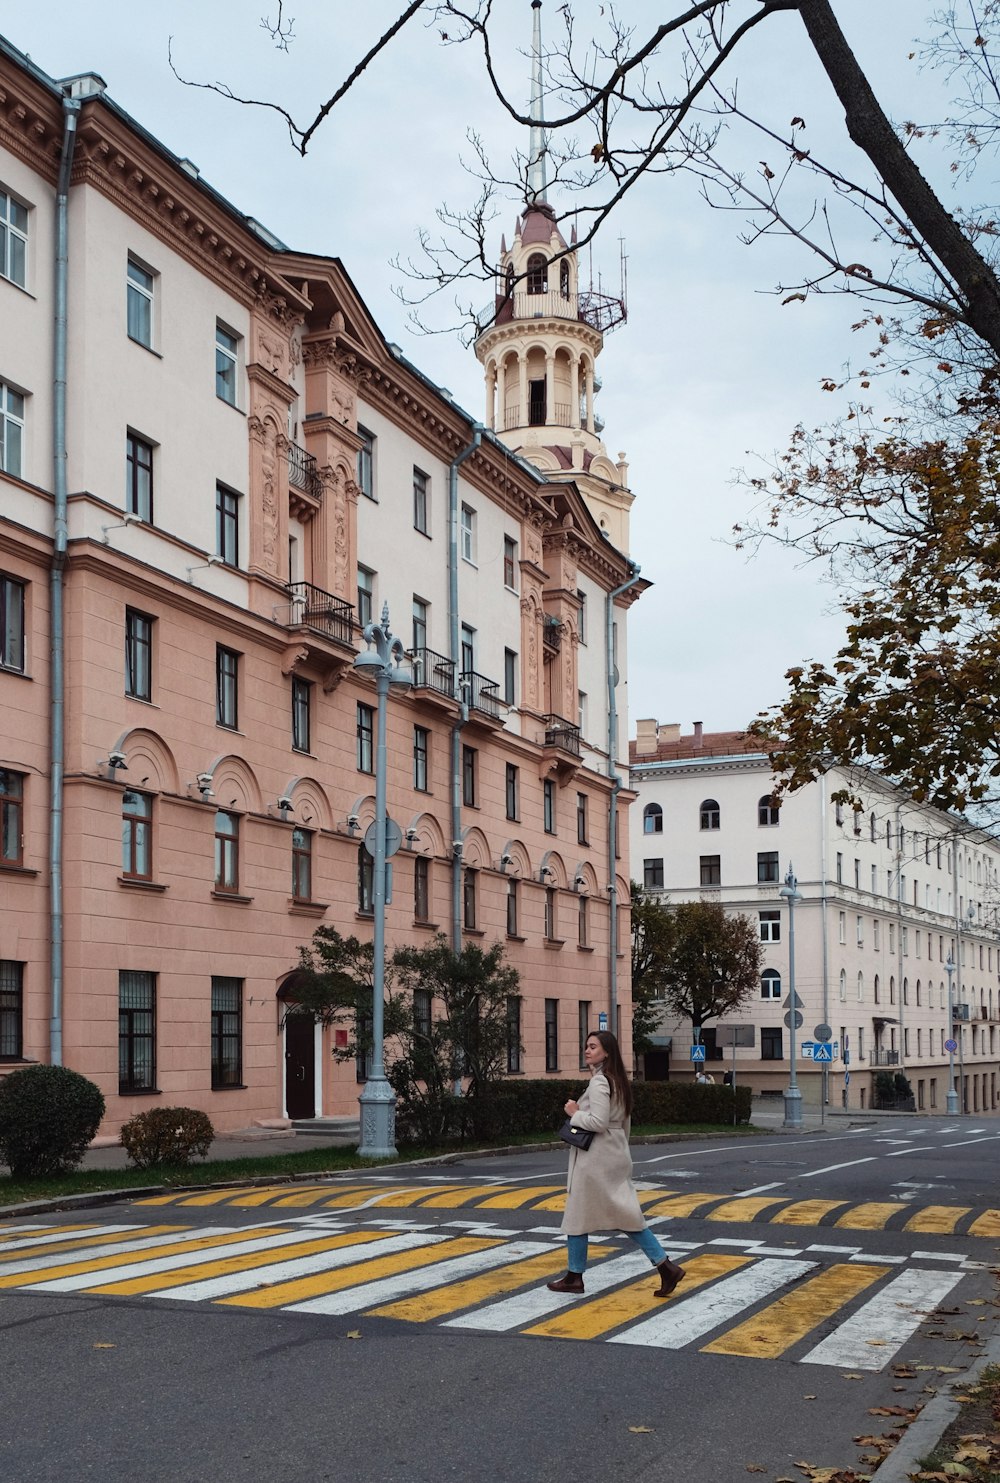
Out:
{"x": 710, "y": 369}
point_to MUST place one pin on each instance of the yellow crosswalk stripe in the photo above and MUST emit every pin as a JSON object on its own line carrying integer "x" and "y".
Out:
{"x": 308, "y": 1196}
{"x": 150, "y": 1254}
{"x": 871, "y": 1216}
{"x": 590, "y": 1320}
{"x": 515, "y": 1198}
{"x": 986, "y": 1224}
{"x": 157, "y": 1281}
{"x": 451, "y": 1199}
{"x": 413, "y": 1195}
{"x": 682, "y": 1204}
{"x": 24, "y": 1253}
{"x": 474, "y": 1290}
{"x": 746, "y": 1209}
{"x": 170, "y": 1199}
{"x": 356, "y": 1197}
{"x": 937, "y": 1219}
{"x": 783, "y": 1323}
{"x": 805, "y": 1212}
{"x": 33, "y": 1231}
{"x": 228, "y": 1196}
{"x": 299, "y": 1289}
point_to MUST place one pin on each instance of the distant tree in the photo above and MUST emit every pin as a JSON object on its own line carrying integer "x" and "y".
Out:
{"x": 335, "y": 984}
{"x": 652, "y": 937}
{"x": 709, "y": 961}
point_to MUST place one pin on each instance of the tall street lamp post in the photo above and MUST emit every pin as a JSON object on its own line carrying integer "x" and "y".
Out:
{"x": 383, "y": 659}
{"x": 951, "y": 1100}
{"x": 793, "y": 1096}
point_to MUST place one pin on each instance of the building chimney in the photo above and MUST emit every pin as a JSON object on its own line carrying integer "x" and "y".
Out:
{"x": 671, "y": 732}
{"x": 645, "y": 738}
{"x": 697, "y": 734}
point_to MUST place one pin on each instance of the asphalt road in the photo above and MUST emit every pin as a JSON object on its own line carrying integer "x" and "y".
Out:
{"x": 397, "y": 1326}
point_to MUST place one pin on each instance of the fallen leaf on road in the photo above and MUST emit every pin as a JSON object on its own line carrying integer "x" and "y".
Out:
{"x": 851, "y": 1375}
{"x": 808, "y": 1397}
{"x": 977, "y": 1453}
{"x": 891, "y": 1411}
{"x": 649, "y": 1429}
{"x": 948, "y": 1369}
{"x": 354, "y": 1333}
{"x": 105, "y": 1346}
{"x": 755, "y": 1467}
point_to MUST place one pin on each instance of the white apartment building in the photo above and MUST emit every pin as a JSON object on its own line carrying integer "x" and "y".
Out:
{"x": 891, "y": 893}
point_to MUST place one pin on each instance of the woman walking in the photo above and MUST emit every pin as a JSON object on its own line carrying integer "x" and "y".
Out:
{"x": 599, "y": 1192}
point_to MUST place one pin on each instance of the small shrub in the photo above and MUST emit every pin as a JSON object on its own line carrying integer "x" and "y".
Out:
{"x": 48, "y": 1115}
{"x": 167, "y": 1135}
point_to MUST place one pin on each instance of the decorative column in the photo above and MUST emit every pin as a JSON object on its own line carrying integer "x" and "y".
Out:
{"x": 590, "y": 397}
{"x": 574, "y": 392}
{"x": 550, "y": 387}
{"x": 501, "y": 419}
{"x": 522, "y": 371}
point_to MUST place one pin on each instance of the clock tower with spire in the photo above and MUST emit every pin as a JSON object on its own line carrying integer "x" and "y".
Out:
{"x": 540, "y": 343}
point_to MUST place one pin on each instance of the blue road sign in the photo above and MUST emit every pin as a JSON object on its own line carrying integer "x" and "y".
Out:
{"x": 822, "y": 1051}
{"x": 951, "y": 1046}
{"x": 602, "y": 1021}
{"x": 697, "y": 1052}
{"x": 847, "y": 1078}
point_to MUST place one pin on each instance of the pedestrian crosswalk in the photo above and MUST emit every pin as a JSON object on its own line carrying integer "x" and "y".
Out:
{"x": 873, "y": 1215}
{"x": 823, "y": 1305}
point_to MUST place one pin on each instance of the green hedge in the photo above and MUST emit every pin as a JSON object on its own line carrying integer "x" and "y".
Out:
{"x": 518, "y": 1107}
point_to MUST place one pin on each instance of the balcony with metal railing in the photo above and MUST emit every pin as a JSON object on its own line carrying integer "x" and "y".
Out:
{"x": 312, "y": 608}
{"x": 480, "y": 694}
{"x": 562, "y": 735}
{"x": 433, "y": 671}
{"x": 884, "y": 1057}
{"x": 302, "y": 472}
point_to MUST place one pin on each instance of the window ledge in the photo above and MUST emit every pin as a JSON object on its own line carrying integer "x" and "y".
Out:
{"x": 427, "y": 926}
{"x": 17, "y": 869}
{"x": 131, "y": 884}
{"x": 7, "y": 669}
{"x": 307, "y": 908}
{"x": 364, "y": 916}
{"x": 232, "y": 896}
{"x": 238, "y": 1086}
{"x": 141, "y": 1092}
{"x": 143, "y": 346}
{"x": 473, "y": 932}
{"x": 584, "y": 947}
{"x": 515, "y": 937}
{"x": 554, "y": 942}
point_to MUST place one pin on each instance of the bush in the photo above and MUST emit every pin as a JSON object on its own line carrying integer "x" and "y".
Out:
{"x": 48, "y": 1115}
{"x": 167, "y": 1135}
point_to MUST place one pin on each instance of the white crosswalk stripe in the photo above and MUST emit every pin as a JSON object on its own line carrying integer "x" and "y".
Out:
{"x": 870, "y": 1337}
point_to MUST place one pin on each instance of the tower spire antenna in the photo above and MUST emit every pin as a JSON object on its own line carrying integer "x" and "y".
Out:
{"x": 538, "y": 145}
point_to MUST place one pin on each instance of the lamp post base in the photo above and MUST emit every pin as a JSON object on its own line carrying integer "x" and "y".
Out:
{"x": 951, "y": 1102}
{"x": 378, "y": 1120}
{"x": 793, "y": 1108}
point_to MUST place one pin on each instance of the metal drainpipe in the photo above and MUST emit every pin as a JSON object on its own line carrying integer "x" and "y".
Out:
{"x": 616, "y": 784}
{"x": 454, "y": 654}
{"x": 57, "y": 684}
{"x": 824, "y": 908}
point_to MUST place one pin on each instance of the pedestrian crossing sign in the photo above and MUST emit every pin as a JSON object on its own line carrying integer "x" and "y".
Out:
{"x": 822, "y": 1051}
{"x": 697, "y": 1052}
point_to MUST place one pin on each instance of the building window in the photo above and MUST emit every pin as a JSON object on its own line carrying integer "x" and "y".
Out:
{"x": 770, "y": 1045}
{"x": 652, "y": 819}
{"x": 365, "y": 738}
{"x": 419, "y": 624}
{"x": 549, "y": 806}
{"x": 770, "y": 926}
{"x": 513, "y": 1033}
{"x": 767, "y": 867}
{"x": 366, "y": 463}
{"x": 302, "y": 855}
{"x": 709, "y": 816}
{"x": 227, "y": 670}
{"x": 421, "y": 758}
{"x": 581, "y": 818}
{"x": 581, "y": 711}
{"x": 227, "y": 525}
{"x": 136, "y": 1032}
{"x": 510, "y": 563}
{"x": 137, "y": 835}
{"x": 468, "y": 649}
{"x": 13, "y": 239}
{"x": 510, "y": 676}
{"x": 840, "y": 868}
{"x": 468, "y": 533}
{"x": 581, "y": 616}
{"x": 421, "y": 501}
{"x": 227, "y": 851}
{"x": 11, "y": 1010}
{"x": 301, "y": 713}
{"x": 537, "y": 277}
{"x": 552, "y": 1034}
{"x": 11, "y": 431}
{"x": 139, "y": 304}
{"x": 11, "y": 624}
{"x": 582, "y": 922}
{"x": 138, "y": 655}
{"x": 366, "y": 596}
{"x": 710, "y": 870}
{"x": 469, "y": 900}
{"x": 366, "y": 882}
{"x": 512, "y": 908}
{"x": 11, "y": 817}
{"x": 767, "y": 812}
{"x": 859, "y": 929}
{"x": 422, "y": 888}
{"x": 652, "y": 875}
{"x": 770, "y": 984}
{"x": 583, "y": 1030}
{"x": 550, "y": 913}
{"x": 227, "y": 356}
{"x": 422, "y": 1023}
{"x": 227, "y": 1032}
{"x": 843, "y": 984}
{"x": 139, "y": 478}
{"x": 511, "y": 789}
{"x": 470, "y": 777}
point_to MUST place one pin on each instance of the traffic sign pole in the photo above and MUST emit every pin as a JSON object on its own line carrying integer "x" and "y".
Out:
{"x": 793, "y": 1096}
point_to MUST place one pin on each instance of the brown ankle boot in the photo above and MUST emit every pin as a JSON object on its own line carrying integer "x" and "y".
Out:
{"x": 670, "y": 1275}
{"x": 572, "y": 1282}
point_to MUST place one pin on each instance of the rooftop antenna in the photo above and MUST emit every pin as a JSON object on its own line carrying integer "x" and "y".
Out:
{"x": 538, "y": 145}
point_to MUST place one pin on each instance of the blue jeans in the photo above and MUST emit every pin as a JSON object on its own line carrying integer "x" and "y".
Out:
{"x": 576, "y": 1249}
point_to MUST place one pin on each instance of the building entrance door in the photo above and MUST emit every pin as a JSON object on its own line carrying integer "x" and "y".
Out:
{"x": 300, "y": 1066}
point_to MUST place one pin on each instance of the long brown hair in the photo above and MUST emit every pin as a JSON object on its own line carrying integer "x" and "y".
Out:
{"x": 614, "y": 1070}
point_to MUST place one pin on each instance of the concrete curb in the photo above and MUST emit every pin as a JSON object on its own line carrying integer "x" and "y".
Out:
{"x": 923, "y": 1435}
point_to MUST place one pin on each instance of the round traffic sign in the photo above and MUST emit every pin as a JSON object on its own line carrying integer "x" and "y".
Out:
{"x": 798, "y": 1018}
{"x": 951, "y": 1046}
{"x": 393, "y": 838}
{"x": 823, "y": 1032}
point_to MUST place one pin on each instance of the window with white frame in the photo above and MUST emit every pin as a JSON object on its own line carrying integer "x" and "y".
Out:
{"x": 510, "y": 563}
{"x": 421, "y": 501}
{"x": 11, "y": 430}
{"x": 13, "y": 239}
{"x": 770, "y": 984}
{"x": 227, "y": 360}
{"x": 468, "y": 533}
{"x": 770, "y": 926}
{"x": 12, "y": 593}
{"x": 139, "y": 477}
{"x": 140, "y": 283}
{"x": 581, "y": 619}
{"x": 366, "y": 596}
{"x": 842, "y": 926}
{"x": 767, "y": 812}
{"x": 366, "y": 463}
{"x": 709, "y": 815}
{"x": 652, "y": 819}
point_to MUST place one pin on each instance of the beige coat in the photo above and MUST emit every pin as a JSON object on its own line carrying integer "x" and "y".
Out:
{"x": 599, "y": 1192}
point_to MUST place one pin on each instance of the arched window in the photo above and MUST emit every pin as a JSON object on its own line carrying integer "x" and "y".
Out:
{"x": 564, "y": 278}
{"x": 871, "y": 826}
{"x": 861, "y": 988}
{"x": 888, "y": 832}
{"x": 843, "y": 983}
{"x": 509, "y": 285}
{"x": 767, "y": 811}
{"x": 537, "y": 274}
{"x": 709, "y": 814}
{"x": 906, "y": 991}
{"x": 770, "y": 984}
{"x": 876, "y": 988}
{"x": 652, "y": 819}
{"x": 892, "y": 988}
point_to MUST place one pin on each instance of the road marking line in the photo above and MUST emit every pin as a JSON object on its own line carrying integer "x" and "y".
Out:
{"x": 893, "y": 1315}
{"x": 528, "y": 1307}
{"x": 938, "y": 1219}
{"x": 514, "y": 1199}
{"x": 831, "y": 1168}
{"x": 683, "y": 1204}
{"x": 455, "y": 1197}
{"x": 588, "y": 1320}
{"x": 986, "y": 1224}
{"x": 523, "y": 1269}
{"x": 689, "y": 1319}
{"x": 743, "y": 1208}
{"x": 364, "y": 1243}
{"x": 360, "y": 1199}
{"x": 13, "y": 1274}
{"x": 805, "y": 1212}
{"x": 760, "y": 1189}
{"x": 871, "y": 1216}
{"x": 414, "y": 1194}
{"x": 460, "y": 1267}
{"x": 414, "y": 1250}
{"x": 79, "y": 1275}
{"x": 70, "y": 1233}
{"x": 967, "y": 1142}
{"x": 836, "y": 1250}
{"x": 939, "y": 1256}
{"x": 920, "y": 1148}
{"x": 770, "y": 1333}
